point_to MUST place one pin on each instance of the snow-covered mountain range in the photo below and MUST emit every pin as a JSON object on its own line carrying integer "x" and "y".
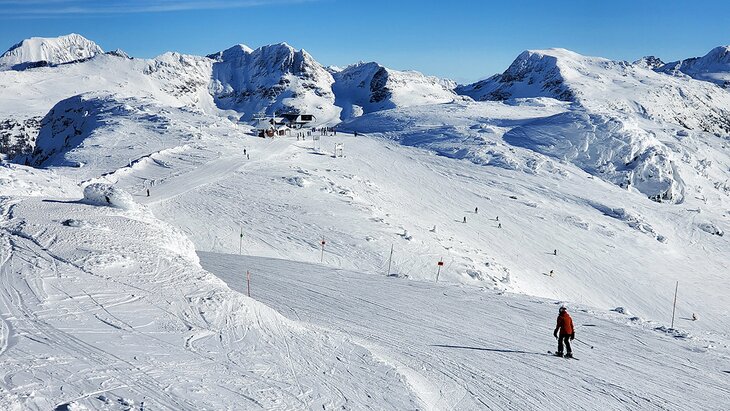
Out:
{"x": 126, "y": 199}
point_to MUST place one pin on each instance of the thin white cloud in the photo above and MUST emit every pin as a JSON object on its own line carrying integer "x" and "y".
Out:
{"x": 52, "y": 8}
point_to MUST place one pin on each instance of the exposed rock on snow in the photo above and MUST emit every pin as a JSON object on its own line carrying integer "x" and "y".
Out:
{"x": 42, "y": 51}
{"x": 712, "y": 229}
{"x": 649, "y": 62}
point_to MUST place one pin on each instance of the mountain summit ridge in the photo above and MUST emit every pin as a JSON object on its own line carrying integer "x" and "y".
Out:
{"x": 40, "y": 51}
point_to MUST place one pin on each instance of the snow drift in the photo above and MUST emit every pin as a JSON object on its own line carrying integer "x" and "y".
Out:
{"x": 617, "y": 151}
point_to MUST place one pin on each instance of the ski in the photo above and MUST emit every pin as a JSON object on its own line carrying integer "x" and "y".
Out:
{"x": 554, "y": 354}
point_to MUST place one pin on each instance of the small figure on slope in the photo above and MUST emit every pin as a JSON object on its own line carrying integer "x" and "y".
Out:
{"x": 476, "y": 210}
{"x": 555, "y": 252}
{"x": 564, "y": 332}
{"x": 464, "y": 219}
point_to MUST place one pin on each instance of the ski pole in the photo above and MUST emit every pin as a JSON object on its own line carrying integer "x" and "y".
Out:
{"x": 584, "y": 343}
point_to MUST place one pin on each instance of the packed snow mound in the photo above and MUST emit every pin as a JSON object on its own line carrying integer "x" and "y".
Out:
{"x": 713, "y": 67}
{"x": 43, "y": 51}
{"x": 615, "y": 150}
{"x": 609, "y": 87}
{"x": 272, "y": 79}
{"x": 101, "y": 194}
{"x": 367, "y": 87}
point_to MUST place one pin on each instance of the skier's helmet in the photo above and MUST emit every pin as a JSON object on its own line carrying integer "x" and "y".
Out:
{"x": 562, "y": 308}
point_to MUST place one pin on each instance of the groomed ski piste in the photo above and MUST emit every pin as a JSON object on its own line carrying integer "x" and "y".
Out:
{"x": 113, "y": 299}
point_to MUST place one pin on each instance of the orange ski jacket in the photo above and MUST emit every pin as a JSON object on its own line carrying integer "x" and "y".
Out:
{"x": 565, "y": 324}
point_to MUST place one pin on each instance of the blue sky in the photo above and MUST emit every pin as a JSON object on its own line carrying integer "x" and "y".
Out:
{"x": 460, "y": 39}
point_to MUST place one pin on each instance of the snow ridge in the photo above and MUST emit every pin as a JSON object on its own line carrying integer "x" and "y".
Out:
{"x": 367, "y": 87}
{"x": 713, "y": 67}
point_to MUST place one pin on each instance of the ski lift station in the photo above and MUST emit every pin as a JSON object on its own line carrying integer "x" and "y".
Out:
{"x": 281, "y": 125}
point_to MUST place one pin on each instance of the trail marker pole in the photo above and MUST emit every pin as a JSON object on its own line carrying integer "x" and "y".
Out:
{"x": 440, "y": 264}
{"x": 674, "y": 306}
{"x": 390, "y": 259}
{"x": 240, "y": 243}
{"x": 248, "y": 282}
{"x": 321, "y": 257}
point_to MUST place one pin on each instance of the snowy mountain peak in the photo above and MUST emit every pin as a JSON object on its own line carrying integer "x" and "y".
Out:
{"x": 42, "y": 51}
{"x": 649, "y": 62}
{"x": 272, "y": 79}
{"x": 363, "y": 88}
{"x": 232, "y": 52}
{"x": 713, "y": 67}
{"x": 719, "y": 54}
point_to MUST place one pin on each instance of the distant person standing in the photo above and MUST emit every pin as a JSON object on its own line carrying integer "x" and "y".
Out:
{"x": 564, "y": 332}
{"x": 476, "y": 210}
{"x": 148, "y": 192}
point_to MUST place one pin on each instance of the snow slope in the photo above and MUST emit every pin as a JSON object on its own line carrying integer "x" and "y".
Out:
{"x": 713, "y": 67}
{"x": 367, "y": 87}
{"x": 535, "y": 195}
{"x": 287, "y": 196}
{"x": 106, "y": 308}
{"x": 42, "y": 51}
{"x": 467, "y": 348}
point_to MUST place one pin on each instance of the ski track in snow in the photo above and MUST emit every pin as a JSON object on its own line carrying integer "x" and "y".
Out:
{"x": 142, "y": 324}
{"x": 466, "y": 348}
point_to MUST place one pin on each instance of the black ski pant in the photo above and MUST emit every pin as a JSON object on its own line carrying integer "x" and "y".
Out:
{"x": 564, "y": 339}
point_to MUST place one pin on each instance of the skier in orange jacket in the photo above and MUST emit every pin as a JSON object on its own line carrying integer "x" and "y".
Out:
{"x": 567, "y": 334}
